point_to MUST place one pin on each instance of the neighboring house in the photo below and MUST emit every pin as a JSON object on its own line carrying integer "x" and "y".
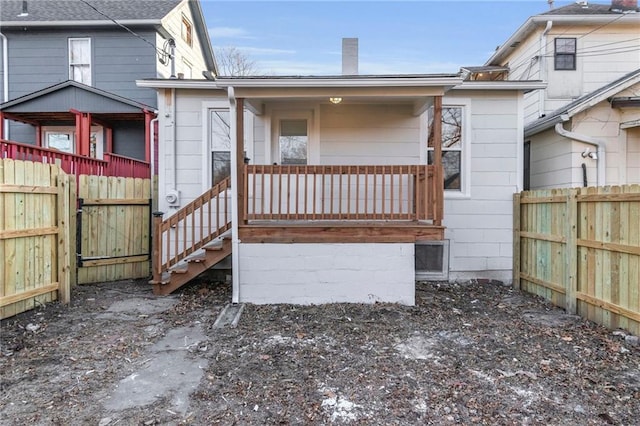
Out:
{"x": 342, "y": 199}
{"x": 68, "y": 70}
{"x": 583, "y": 129}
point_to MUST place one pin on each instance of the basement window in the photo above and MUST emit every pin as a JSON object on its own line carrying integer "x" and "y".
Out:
{"x": 565, "y": 54}
{"x": 432, "y": 260}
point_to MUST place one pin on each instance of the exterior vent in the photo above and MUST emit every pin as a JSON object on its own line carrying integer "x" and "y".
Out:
{"x": 432, "y": 260}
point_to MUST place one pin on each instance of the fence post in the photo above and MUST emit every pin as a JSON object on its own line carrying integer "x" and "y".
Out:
{"x": 571, "y": 252}
{"x": 516, "y": 241}
{"x": 64, "y": 235}
{"x": 156, "y": 261}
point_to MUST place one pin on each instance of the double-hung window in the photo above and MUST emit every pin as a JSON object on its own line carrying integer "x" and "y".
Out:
{"x": 452, "y": 146}
{"x": 565, "y": 54}
{"x": 80, "y": 60}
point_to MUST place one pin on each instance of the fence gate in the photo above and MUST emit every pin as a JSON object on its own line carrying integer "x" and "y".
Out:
{"x": 113, "y": 236}
{"x": 36, "y": 243}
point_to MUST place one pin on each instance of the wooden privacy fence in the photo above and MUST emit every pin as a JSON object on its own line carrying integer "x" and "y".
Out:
{"x": 580, "y": 249}
{"x": 36, "y": 235}
{"x": 114, "y": 229}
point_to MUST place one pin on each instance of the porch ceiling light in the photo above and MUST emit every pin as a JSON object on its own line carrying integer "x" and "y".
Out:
{"x": 335, "y": 100}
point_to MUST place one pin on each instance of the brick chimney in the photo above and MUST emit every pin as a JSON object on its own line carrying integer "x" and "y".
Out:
{"x": 349, "y": 56}
{"x": 624, "y": 5}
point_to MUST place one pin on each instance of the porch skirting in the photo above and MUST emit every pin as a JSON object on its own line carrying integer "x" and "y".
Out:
{"x": 315, "y": 273}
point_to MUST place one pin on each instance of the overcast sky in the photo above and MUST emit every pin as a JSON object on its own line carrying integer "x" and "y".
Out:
{"x": 395, "y": 37}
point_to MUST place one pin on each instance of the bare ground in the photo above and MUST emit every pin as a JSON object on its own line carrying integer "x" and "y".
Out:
{"x": 473, "y": 353}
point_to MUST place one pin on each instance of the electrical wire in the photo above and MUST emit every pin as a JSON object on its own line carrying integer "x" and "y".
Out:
{"x": 122, "y": 26}
{"x": 536, "y": 55}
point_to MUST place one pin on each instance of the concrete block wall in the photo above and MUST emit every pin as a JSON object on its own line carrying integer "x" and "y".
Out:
{"x": 327, "y": 273}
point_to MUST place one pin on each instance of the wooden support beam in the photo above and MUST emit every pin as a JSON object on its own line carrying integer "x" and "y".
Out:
{"x": 148, "y": 116}
{"x": 240, "y": 155}
{"x": 437, "y": 161}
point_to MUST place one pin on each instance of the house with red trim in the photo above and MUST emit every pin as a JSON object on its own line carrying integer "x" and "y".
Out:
{"x": 68, "y": 71}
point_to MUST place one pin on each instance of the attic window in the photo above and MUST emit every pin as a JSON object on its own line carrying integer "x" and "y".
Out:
{"x": 187, "y": 31}
{"x": 565, "y": 54}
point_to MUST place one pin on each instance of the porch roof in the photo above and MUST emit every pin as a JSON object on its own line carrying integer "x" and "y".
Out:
{"x": 54, "y": 104}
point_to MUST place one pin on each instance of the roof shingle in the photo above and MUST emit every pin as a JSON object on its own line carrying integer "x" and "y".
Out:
{"x": 77, "y": 10}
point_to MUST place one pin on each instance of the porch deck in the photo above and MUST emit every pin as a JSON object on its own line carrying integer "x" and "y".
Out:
{"x": 352, "y": 231}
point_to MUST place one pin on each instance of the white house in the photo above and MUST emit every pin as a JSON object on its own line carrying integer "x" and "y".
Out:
{"x": 583, "y": 129}
{"x": 342, "y": 188}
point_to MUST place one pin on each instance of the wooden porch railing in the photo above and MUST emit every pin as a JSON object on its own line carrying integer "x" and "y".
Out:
{"x": 112, "y": 165}
{"x": 402, "y": 192}
{"x": 119, "y": 165}
{"x": 191, "y": 227}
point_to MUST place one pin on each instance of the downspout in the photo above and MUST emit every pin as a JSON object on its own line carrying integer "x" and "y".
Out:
{"x": 152, "y": 161}
{"x": 5, "y": 80}
{"x": 543, "y": 66}
{"x": 174, "y": 131}
{"x": 235, "y": 242}
{"x": 601, "y": 161}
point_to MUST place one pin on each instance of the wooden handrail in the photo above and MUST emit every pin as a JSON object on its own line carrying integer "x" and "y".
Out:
{"x": 190, "y": 228}
{"x": 112, "y": 165}
{"x": 349, "y": 192}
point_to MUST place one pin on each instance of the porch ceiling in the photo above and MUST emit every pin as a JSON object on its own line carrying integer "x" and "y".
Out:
{"x": 44, "y": 118}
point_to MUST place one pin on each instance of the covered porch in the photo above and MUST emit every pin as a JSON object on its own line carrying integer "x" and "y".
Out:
{"x": 83, "y": 129}
{"x": 339, "y": 191}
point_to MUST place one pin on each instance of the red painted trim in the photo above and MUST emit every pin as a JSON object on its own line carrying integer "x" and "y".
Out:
{"x": 148, "y": 116}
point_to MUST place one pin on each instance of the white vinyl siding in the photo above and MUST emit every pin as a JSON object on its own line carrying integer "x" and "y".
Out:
{"x": 479, "y": 223}
{"x": 80, "y": 60}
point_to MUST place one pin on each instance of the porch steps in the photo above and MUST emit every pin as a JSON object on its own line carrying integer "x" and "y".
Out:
{"x": 194, "y": 265}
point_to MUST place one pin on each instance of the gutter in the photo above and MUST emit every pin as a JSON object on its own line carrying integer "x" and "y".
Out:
{"x": 235, "y": 242}
{"x": 5, "y": 80}
{"x": 96, "y": 23}
{"x": 599, "y": 144}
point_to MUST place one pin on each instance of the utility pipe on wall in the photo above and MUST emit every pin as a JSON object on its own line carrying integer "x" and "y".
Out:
{"x": 601, "y": 162}
{"x": 5, "y": 79}
{"x": 543, "y": 65}
{"x": 153, "y": 153}
{"x": 235, "y": 242}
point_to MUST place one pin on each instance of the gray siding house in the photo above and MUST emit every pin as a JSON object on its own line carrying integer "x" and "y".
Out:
{"x": 68, "y": 70}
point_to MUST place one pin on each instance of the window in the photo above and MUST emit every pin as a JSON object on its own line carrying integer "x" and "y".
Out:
{"x": 80, "y": 60}
{"x": 565, "y": 54}
{"x": 526, "y": 179}
{"x": 187, "y": 31}
{"x": 62, "y": 141}
{"x": 293, "y": 141}
{"x": 452, "y": 145}
{"x": 220, "y": 145}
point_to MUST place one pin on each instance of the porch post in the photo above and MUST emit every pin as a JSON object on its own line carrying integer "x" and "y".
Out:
{"x": 2, "y": 135}
{"x": 240, "y": 166}
{"x": 148, "y": 116}
{"x": 83, "y": 132}
{"x": 235, "y": 192}
{"x": 438, "y": 175}
{"x": 109, "y": 132}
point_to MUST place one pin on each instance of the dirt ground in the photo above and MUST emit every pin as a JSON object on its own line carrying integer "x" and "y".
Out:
{"x": 472, "y": 353}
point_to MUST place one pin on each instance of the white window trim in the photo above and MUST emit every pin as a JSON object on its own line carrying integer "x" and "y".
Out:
{"x": 272, "y": 146}
{"x": 465, "y": 169}
{"x": 90, "y": 58}
{"x": 99, "y": 130}
{"x": 223, "y": 103}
